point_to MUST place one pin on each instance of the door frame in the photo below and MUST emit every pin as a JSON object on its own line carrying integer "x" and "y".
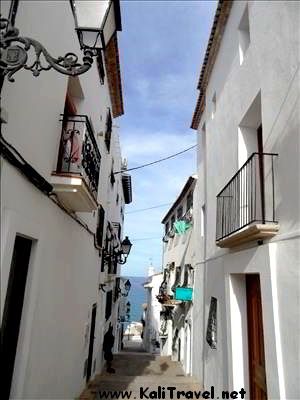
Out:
{"x": 18, "y": 224}
{"x": 14, "y": 306}
{"x": 260, "y": 260}
{"x": 91, "y": 342}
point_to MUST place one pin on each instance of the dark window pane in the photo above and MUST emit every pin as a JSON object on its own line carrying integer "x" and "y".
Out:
{"x": 100, "y": 67}
{"x": 189, "y": 201}
{"x": 179, "y": 212}
{"x": 108, "y": 304}
{"x": 108, "y": 130}
{"x": 100, "y": 227}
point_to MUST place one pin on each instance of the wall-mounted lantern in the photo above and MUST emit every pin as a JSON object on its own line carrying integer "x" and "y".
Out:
{"x": 123, "y": 253}
{"x": 127, "y": 286}
{"x": 95, "y": 24}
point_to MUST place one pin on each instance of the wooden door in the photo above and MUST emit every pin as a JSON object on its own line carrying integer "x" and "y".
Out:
{"x": 257, "y": 372}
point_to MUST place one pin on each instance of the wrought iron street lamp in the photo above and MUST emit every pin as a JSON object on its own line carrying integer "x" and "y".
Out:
{"x": 127, "y": 286}
{"x": 122, "y": 254}
{"x": 94, "y": 24}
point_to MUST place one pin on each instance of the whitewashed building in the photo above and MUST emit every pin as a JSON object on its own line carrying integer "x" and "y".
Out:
{"x": 62, "y": 207}
{"x": 179, "y": 260}
{"x": 247, "y": 122}
{"x": 152, "y": 313}
{"x": 124, "y": 286}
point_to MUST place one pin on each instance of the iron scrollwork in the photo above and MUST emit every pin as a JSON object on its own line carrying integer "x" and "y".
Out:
{"x": 90, "y": 162}
{"x": 79, "y": 153}
{"x": 15, "y": 49}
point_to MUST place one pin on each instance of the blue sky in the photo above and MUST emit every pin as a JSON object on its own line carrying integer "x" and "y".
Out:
{"x": 162, "y": 45}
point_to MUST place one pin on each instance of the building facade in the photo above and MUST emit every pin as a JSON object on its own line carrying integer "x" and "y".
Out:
{"x": 62, "y": 209}
{"x": 151, "y": 315}
{"x": 179, "y": 260}
{"x": 247, "y": 122}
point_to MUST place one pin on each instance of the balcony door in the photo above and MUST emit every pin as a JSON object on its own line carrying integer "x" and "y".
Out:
{"x": 257, "y": 371}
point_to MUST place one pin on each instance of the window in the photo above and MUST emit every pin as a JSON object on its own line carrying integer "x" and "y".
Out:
{"x": 186, "y": 280}
{"x": 100, "y": 226}
{"x": 117, "y": 289}
{"x": 213, "y": 106}
{"x": 108, "y": 130}
{"x": 177, "y": 279}
{"x": 108, "y": 305}
{"x": 112, "y": 175}
{"x": 179, "y": 212}
{"x": 100, "y": 67}
{"x": 102, "y": 263}
{"x": 202, "y": 222}
{"x": 244, "y": 35}
{"x": 172, "y": 221}
{"x": 189, "y": 201}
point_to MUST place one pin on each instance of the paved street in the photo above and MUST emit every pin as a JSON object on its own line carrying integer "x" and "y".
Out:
{"x": 135, "y": 370}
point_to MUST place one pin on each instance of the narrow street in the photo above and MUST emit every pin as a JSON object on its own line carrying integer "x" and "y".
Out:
{"x": 135, "y": 370}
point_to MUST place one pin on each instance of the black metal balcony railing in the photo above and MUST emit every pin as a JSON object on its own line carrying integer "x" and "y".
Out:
{"x": 249, "y": 196}
{"x": 78, "y": 152}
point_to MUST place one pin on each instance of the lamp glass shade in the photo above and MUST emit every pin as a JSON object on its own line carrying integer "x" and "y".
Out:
{"x": 95, "y": 22}
{"x": 90, "y": 38}
{"x": 126, "y": 246}
{"x": 89, "y": 13}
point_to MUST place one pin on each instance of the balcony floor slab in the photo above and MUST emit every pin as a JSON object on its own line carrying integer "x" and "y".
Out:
{"x": 249, "y": 234}
{"x": 73, "y": 192}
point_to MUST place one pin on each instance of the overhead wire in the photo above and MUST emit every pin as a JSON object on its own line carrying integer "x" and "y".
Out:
{"x": 148, "y": 208}
{"x": 150, "y": 238}
{"x": 156, "y": 161}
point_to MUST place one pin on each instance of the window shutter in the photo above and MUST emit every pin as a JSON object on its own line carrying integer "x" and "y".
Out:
{"x": 117, "y": 289}
{"x": 100, "y": 227}
{"x": 100, "y": 68}
{"x": 108, "y": 305}
{"x": 108, "y": 130}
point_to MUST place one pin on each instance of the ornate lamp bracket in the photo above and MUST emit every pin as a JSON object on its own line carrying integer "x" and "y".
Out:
{"x": 15, "y": 51}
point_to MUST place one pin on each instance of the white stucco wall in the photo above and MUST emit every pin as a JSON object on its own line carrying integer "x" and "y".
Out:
{"x": 270, "y": 69}
{"x": 64, "y": 271}
{"x": 152, "y": 322}
{"x": 181, "y": 250}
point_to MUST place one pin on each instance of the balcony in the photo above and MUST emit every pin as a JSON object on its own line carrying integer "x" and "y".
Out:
{"x": 75, "y": 180}
{"x": 246, "y": 205}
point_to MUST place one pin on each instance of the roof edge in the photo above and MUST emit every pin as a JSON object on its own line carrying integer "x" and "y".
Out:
{"x": 186, "y": 187}
{"x": 216, "y": 34}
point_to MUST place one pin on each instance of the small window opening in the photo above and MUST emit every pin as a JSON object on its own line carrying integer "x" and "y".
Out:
{"x": 214, "y": 106}
{"x": 189, "y": 201}
{"x": 244, "y": 35}
{"x": 179, "y": 212}
{"x": 202, "y": 222}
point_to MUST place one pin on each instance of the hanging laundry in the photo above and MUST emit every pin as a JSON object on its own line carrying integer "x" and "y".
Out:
{"x": 181, "y": 226}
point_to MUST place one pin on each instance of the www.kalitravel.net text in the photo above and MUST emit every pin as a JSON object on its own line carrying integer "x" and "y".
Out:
{"x": 170, "y": 392}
